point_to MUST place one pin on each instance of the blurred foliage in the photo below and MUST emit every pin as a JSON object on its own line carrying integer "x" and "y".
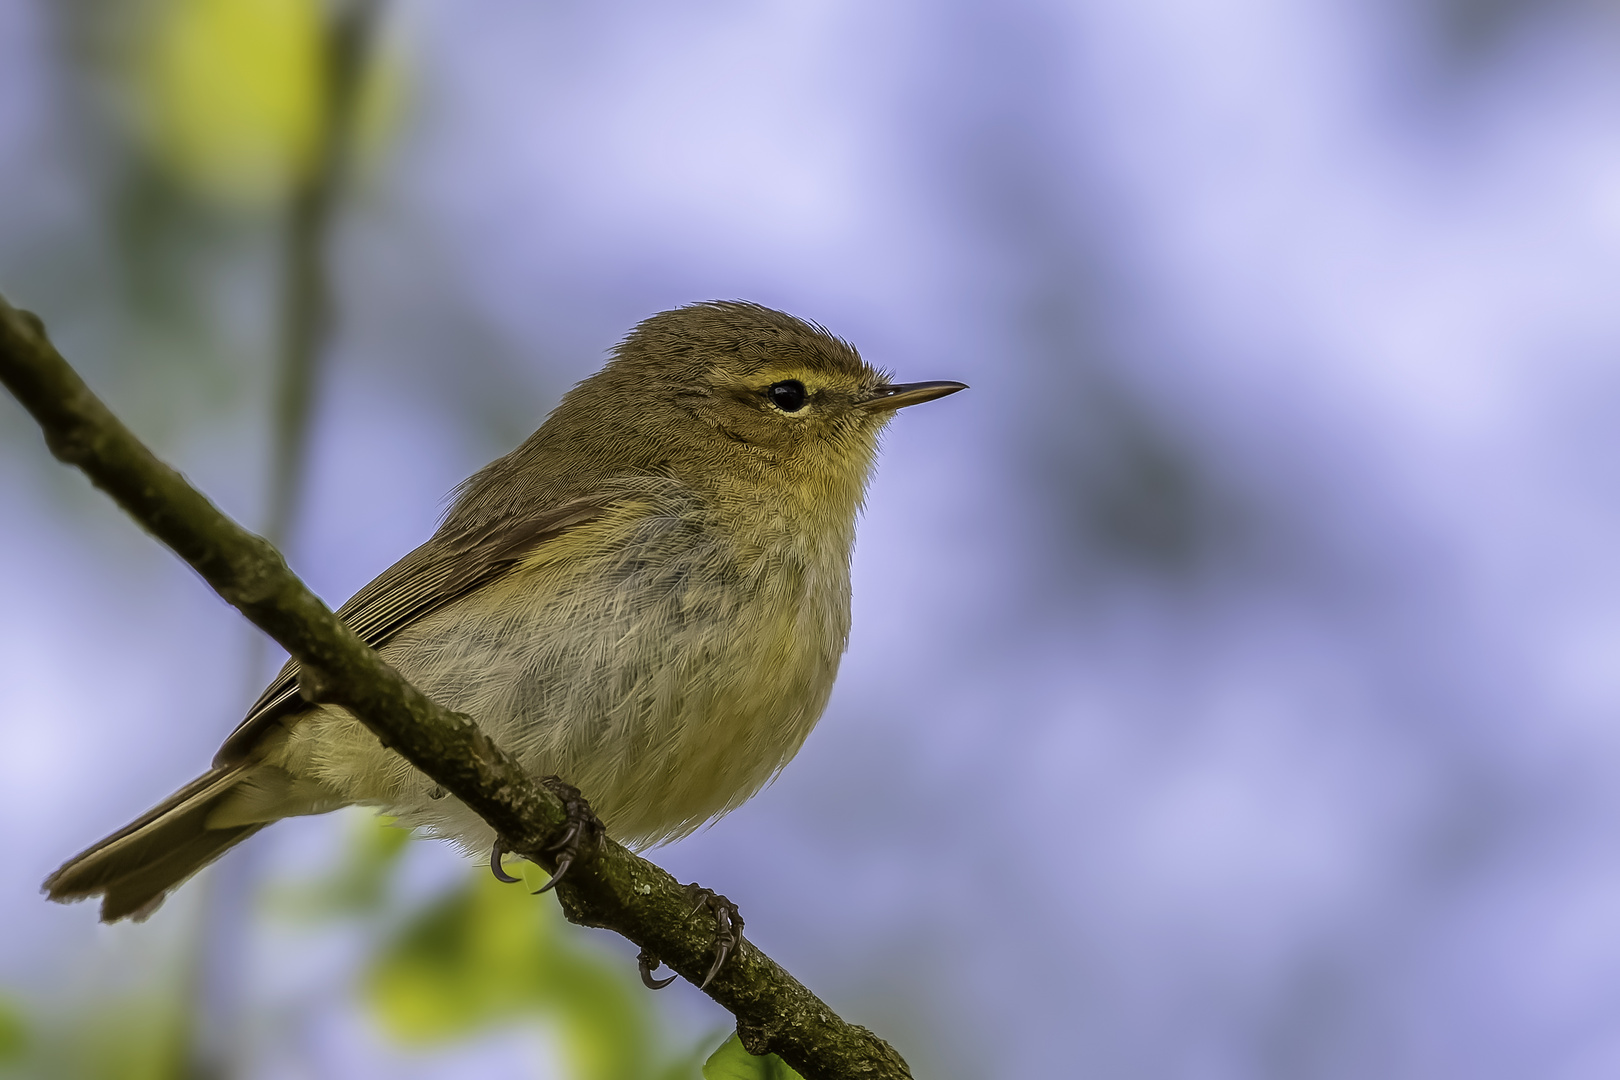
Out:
{"x": 1145, "y": 501}
{"x": 1133, "y": 493}
{"x": 136, "y": 1037}
{"x": 232, "y": 93}
{"x": 479, "y": 958}
{"x": 137, "y": 1033}
{"x": 13, "y": 1034}
{"x": 487, "y": 955}
{"x": 732, "y": 1062}
{"x": 360, "y": 884}
{"x": 1473, "y": 30}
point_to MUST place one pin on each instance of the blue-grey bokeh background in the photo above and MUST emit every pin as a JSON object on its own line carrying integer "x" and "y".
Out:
{"x": 1235, "y": 683}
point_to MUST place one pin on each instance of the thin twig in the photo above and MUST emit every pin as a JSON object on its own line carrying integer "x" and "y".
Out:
{"x": 306, "y": 292}
{"x": 607, "y": 886}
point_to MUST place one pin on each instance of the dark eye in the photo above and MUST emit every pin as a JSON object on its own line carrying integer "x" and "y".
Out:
{"x": 788, "y": 396}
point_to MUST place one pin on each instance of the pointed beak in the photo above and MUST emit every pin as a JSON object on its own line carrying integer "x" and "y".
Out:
{"x": 899, "y": 395}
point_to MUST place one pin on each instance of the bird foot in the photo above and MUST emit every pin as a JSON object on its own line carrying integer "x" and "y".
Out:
{"x": 583, "y": 828}
{"x": 728, "y": 926}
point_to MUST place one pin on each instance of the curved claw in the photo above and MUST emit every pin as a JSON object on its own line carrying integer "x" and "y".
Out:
{"x": 581, "y": 824}
{"x": 728, "y": 925}
{"x": 648, "y": 963}
{"x": 562, "y": 868}
{"x": 568, "y": 837}
{"x": 495, "y": 867}
{"x": 722, "y": 949}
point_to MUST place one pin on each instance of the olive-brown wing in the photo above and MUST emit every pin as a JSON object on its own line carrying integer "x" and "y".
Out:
{"x": 441, "y": 570}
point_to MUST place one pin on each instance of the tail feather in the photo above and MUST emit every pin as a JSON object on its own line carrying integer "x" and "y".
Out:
{"x": 136, "y": 867}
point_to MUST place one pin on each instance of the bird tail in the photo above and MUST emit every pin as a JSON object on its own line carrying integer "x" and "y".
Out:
{"x": 135, "y": 868}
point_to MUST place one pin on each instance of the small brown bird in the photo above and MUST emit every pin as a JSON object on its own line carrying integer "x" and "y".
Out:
{"x": 648, "y": 598}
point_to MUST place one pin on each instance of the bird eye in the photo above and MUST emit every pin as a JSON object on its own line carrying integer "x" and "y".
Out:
{"x": 788, "y": 396}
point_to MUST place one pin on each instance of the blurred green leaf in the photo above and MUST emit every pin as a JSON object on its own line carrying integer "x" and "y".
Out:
{"x": 232, "y": 91}
{"x": 489, "y": 954}
{"x": 229, "y": 94}
{"x": 732, "y": 1062}
{"x": 360, "y": 885}
{"x": 463, "y": 963}
{"x": 132, "y": 1039}
{"x": 13, "y": 1033}
{"x": 133, "y": 1036}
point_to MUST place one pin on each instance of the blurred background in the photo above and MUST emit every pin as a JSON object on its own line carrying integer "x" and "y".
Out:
{"x": 1234, "y": 689}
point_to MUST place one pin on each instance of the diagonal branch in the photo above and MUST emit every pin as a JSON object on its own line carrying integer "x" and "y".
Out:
{"x": 607, "y": 887}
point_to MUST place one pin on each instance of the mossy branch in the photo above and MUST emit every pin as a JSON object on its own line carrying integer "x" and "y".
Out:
{"x": 608, "y": 886}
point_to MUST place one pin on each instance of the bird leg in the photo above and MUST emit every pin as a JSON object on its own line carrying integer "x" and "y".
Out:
{"x": 728, "y": 926}
{"x": 583, "y": 828}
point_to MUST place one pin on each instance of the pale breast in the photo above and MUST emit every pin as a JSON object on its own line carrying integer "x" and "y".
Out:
{"x": 664, "y": 669}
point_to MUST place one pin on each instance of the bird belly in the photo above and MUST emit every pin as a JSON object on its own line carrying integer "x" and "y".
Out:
{"x": 667, "y": 682}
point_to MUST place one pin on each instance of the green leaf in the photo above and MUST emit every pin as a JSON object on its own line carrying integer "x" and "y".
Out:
{"x": 732, "y": 1062}
{"x": 13, "y": 1033}
{"x": 128, "y": 1037}
{"x": 465, "y": 962}
{"x": 359, "y": 885}
{"x": 491, "y": 953}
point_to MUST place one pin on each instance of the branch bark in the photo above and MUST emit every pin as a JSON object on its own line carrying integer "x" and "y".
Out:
{"x": 608, "y": 886}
